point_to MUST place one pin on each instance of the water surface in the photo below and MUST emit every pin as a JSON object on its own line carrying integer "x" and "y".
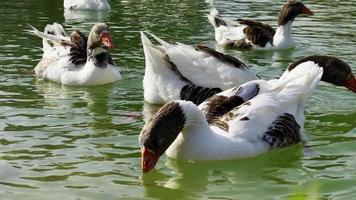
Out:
{"x": 59, "y": 142}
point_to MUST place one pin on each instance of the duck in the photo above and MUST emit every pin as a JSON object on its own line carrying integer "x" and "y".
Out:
{"x": 86, "y": 5}
{"x": 247, "y": 33}
{"x": 245, "y": 121}
{"x": 76, "y": 60}
{"x": 177, "y": 71}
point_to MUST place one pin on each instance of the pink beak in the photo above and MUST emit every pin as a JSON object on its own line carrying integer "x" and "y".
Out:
{"x": 351, "y": 83}
{"x": 106, "y": 40}
{"x": 307, "y": 11}
{"x": 148, "y": 159}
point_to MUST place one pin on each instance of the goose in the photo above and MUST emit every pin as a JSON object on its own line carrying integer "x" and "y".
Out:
{"x": 76, "y": 60}
{"x": 174, "y": 71}
{"x": 86, "y": 5}
{"x": 245, "y": 33}
{"x": 245, "y": 121}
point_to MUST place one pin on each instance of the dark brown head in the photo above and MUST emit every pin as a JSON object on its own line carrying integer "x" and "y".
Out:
{"x": 159, "y": 133}
{"x": 291, "y": 10}
{"x": 100, "y": 37}
{"x": 336, "y": 71}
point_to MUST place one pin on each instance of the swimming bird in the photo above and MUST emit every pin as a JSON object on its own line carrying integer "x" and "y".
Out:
{"x": 77, "y": 59}
{"x": 245, "y": 121}
{"x": 175, "y": 71}
{"x": 246, "y": 33}
{"x": 86, "y": 4}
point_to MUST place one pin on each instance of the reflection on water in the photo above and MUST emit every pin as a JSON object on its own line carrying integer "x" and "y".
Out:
{"x": 94, "y": 99}
{"x": 59, "y": 142}
{"x": 79, "y": 16}
{"x": 193, "y": 178}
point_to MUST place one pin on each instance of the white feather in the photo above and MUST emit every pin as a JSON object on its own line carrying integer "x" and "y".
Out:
{"x": 87, "y": 4}
{"x": 160, "y": 83}
{"x": 225, "y": 34}
{"x": 199, "y": 67}
{"x": 56, "y": 65}
{"x": 201, "y": 141}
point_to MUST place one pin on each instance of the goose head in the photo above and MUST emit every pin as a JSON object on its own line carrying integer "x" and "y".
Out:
{"x": 336, "y": 71}
{"x": 159, "y": 133}
{"x": 99, "y": 41}
{"x": 100, "y": 37}
{"x": 291, "y": 10}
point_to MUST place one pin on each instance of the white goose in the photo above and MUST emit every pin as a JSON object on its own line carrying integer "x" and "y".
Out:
{"x": 174, "y": 70}
{"x": 245, "y": 33}
{"x": 86, "y": 4}
{"x": 76, "y": 60}
{"x": 241, "y": 122}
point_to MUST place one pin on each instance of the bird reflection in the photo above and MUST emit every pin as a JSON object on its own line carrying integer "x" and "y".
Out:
{"x": 80, "y": 16}
{"x": 95, "y": 99}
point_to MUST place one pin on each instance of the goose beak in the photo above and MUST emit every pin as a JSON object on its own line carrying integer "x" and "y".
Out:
{"x": 351, "y": 83}
{"x": 148, "y": 159}
{"x": 307, "y": 11}
{"x": 106, "y": 40}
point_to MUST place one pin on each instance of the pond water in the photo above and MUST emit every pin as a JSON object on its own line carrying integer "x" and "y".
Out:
{"x": 60, "y": 142}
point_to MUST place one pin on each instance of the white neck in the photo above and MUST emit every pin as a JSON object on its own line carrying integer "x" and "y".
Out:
{"x": 190, "y": 143}
{"x": 283, "y": 36}
{"x": 160, "y": 83}
{"x": 200, "y": 141}
{"x": 96, "y": 51}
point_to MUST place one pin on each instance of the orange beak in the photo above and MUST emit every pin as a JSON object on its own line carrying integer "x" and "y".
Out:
{"x": 307, "y": 11}
{"x": 351, "y": 83}
{"x": 106, "y": 40}
{"x": 148, "y": 160}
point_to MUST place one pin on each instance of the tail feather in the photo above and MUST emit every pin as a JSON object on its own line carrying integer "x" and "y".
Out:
{"x": 47, "y": 36}
{"x": 165, "y": 44}
{"x": 217, "y": 21}
{"x": 301, "y": 81}
{"x": 53, "y": 34}
{"x": 144, "y": 39}
{"x": 162, "y": 80}
{"x": 214, "y": 18}
{"x": 55, "y": 29}
{"x": 154, "y": 55}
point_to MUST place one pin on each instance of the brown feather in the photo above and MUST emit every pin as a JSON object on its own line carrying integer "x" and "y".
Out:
{"x": 257, "y": 32}
{"x": 223, "y": 57}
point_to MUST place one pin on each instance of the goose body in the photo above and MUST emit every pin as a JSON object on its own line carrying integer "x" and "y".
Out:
{"x": 76, "y": 60}
{"x": 245, "y": 33}
{"x": 241, "y": 122}
{"x": 172, "y": 69}
{"x": 86, "y": 4}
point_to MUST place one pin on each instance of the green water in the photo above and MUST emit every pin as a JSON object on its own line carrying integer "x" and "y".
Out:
{"x": 60, "y": 142}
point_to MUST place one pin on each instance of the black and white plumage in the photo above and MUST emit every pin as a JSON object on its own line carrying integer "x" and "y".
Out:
{"x": 283, "y": 132}
{"x": 78, "y": 59}
{"x": 241, "y": 122}
{"x": 246, "y": 33}
{"x": 197, "y": 94}
{"x": 171, "y": 67}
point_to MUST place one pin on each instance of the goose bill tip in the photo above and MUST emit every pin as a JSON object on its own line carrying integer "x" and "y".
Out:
{"x": 307, "y": 11}
{"x": 106, "y": 40}
{"x": 351, "y": 83}
{"x": 148, "y": 159}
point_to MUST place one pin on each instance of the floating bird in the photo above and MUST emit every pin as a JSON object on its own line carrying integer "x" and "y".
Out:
{"x": 244, "y": 121}
{"x": 245, "y": 33}
{"x": 175, "y": 71}
{"x": 76, "y": 60}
